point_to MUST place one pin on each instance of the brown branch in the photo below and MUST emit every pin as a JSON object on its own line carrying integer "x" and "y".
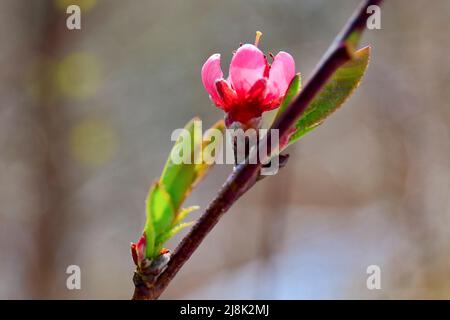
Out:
{"x": 245, "y": 175}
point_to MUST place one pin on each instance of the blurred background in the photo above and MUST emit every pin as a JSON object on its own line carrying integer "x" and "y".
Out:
{"x": 85, "y": 124}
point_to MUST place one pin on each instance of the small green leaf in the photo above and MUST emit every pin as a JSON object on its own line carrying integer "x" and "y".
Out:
{"x": 292, "y": 92}
{"x": 179, "y": 227}
{"x": 183, "y": 213}
{"x": 150, "y": 237}
{"x": 203, "y": 168}
{"x": 160, "y": 209}
{"x": 169, "y": 234}
{"x": 353, "y": 39}
{"x": 178, "y": 178}
{"x": 341, "y": 85}
{"x": 160, "y": 214}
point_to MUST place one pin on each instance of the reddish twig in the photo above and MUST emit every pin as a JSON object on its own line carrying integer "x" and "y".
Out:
{"x": 245, "y": 175}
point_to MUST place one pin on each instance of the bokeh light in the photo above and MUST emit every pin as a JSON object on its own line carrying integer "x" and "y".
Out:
{"x": 78, "y": 75}
{"x": 85, "y": 5}
{"x": 93, "y": 142}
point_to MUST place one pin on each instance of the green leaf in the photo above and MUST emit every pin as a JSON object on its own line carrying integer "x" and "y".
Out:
{"x": 169, "y": 234}
{"x": 352, "y": 40}
{"x": 183, "y": 213}
{"x": 150, "y": 237}
{"x": 160, "y": 209}
{"x": 160, "y": 214}
{"x": 341, "y": 85}
{"x": 178, "y": 178}
{"x": 202, "y": 169}
{"x": 292, "y": 92}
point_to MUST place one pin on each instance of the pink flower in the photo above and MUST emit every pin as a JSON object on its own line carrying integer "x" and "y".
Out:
{"x": 253, "y": 86}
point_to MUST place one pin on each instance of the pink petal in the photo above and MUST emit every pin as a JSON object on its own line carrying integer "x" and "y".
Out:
{"x": 257, "y": 92}
{"x": 247, "y": 67}
{"x": 226, "y": 93}
{"x": 211, "y": 72}
{"x": 140, "y": 249}
{"x": 134, "y": 253}
{"x": 280, "y": 75}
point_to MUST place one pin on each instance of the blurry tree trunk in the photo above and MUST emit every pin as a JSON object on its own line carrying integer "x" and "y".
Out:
{"x": 50, "y": 185}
